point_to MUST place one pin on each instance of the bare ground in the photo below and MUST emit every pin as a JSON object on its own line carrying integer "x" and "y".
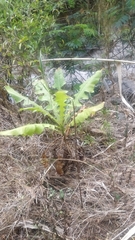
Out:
{"x": 96, "y": 204}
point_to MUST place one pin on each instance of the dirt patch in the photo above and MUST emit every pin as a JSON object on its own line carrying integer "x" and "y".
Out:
{"x": 37, "y": 203}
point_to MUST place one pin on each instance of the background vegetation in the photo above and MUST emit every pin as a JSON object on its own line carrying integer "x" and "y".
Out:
{"x": 60, "y": 28}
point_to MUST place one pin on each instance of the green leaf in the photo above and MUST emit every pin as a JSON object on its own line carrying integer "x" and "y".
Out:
{"x": 43, "y": 93}
{"x": 61, "y": 192}
{"x": 35, "y": 107}
{"x": 19, "y": 97}
{"x": 41, "y": 67}
{"x": 88, "y": 112}
{"x": 61, "y": 98}
{"x": 41, "y": 110}
{"x": 41, "y": 90}
{"x": 59, "y": 80}
{"x": 27, "y": 130}
{"x": 87, "y": 86}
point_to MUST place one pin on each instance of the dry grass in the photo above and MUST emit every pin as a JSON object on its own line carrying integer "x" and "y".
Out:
{"x": 40, "y": 204}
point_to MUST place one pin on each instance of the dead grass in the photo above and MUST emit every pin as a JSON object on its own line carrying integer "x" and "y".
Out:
{"x": 40, "y": 204}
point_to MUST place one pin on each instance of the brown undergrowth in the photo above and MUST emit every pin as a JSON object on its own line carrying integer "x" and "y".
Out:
{"x": 94, "y": 201}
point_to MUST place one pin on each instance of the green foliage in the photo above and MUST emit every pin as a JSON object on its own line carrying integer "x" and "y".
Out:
{"x": 73, "y": 37}
{"x": 28, "y": 130}
{"x": 23, "y": 29}
{"x": 78, "y": 35}
{"x": 87, "y": 86}
{"x": 122, "y": 20}
{"x": 59, "y": 80}
{"x": 62, "y": 110}
{"x": 82, "y": 26}
{"x": 59, "y": 28}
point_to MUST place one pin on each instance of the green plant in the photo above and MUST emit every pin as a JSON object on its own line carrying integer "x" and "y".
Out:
{"x": 62, "y": 110}
{"x": 89, "y": 139}
{"x": 23, "y": 29}
{"x": 107, "y": 129}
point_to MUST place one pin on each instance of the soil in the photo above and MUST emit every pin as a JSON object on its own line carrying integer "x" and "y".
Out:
{"x": 93, "y": 199}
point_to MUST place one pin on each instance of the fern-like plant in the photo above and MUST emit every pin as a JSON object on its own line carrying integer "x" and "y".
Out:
{"x": 62, "y": 110}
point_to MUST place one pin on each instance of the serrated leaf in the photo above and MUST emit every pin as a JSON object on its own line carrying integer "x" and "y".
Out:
{"x": 88, "y": 112}
{"x": 27, "y": 130}
{"x": 87, "y": 87}
{"x": 59, "y": 80}
{"x": 60, "y": 98}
